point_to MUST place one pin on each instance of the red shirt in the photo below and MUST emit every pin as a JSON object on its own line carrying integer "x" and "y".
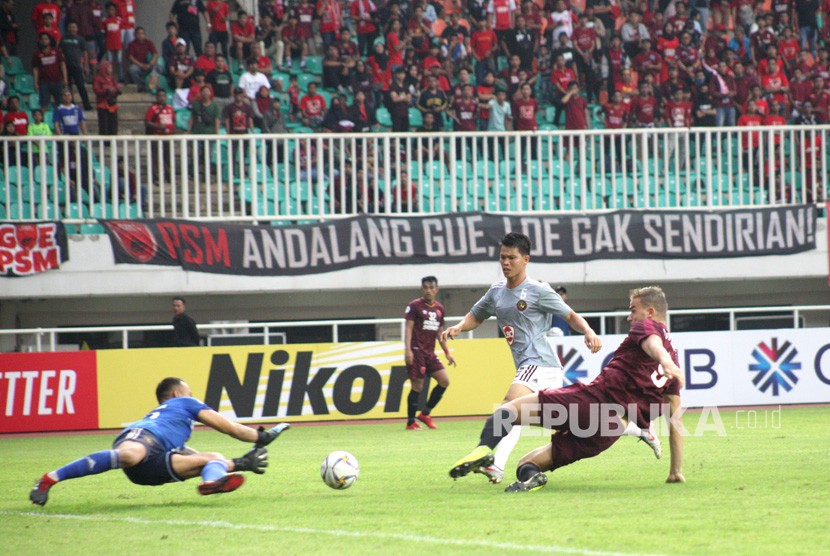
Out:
{"x": 49, "y": 65}
{"x": 393, "y": 43}
{"x": 218, "y": 13}
{"x": 668, "y": 48}
{"x": 112, "y": 29}
{"x": 126, "y": 9}
{"x": 305, "y": 15}
{"x": 562, "y": 77}
{"x": 164, "y": 115}
{"x": 524, "y": 111}
{"x": 248, "y": 30}
{"x": 466, "y": 112}
{"x": 776, "y": 81}
{"x": 575, "y": 113}
{"x": 750, "y": 120}
{"x": 206, "y": 63}
{"x": 644, "y": 110}
{"x": 679, "y": 114}
{"x": 331, "y": 18}
{"x": 615, "y": 115}
{"x": 632, "y": 377}
{"x": 20, "y": 120}
{"x": 141, "y": 50}
{"x": 789, "y": 49}
{"x": 46, "y": 8}
{"x": 428, "y": 319}
{"x": 501, "y": 11}
{"x": 53, "y": 32}
{"x": 363, "y": 26}
{"x": 584, "y": 38}
{"x": 313, "y": 106}
{"x": 482, "y": 42}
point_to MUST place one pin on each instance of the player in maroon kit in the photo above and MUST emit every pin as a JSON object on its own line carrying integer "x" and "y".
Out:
{"x": 424, "y": 324}
{"x": 642, "y": 375}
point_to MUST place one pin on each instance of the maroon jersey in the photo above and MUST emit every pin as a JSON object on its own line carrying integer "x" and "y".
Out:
{"x": 644, "y": 110}
{"x": 525, "y": 113}
{"x": 632, "y": 377}
{"x": 428, "y": 321}
{"x": 466, "y": 112}
{"x": 49, "y": 64}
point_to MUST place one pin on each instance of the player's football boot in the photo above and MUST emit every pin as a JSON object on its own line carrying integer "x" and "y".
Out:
{"x": 414, "y": 427}
{"x": 536, "y": 482}
{"x": 427, "y": 420}
{"x": 480, "y": 457}
{"x": 493, "y": 473}
{"x": 226, "y": 483}
{"x": 653, "y": 442}
{"x": 40, "y": 492}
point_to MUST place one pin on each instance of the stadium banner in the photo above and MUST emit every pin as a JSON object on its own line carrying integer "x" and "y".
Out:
{"x": 466, "y": 237}
{"x": 48, "y": 391}
{"x": 367, "y": 380}
{"x": 31, "y": 248}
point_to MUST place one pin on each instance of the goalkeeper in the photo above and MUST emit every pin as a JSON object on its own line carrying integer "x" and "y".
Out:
{"x": 152, "y": 451}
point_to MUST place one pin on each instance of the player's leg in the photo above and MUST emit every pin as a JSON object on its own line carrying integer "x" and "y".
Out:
{"x": 645, "y": 435}
{"x": 124, "y": 455}
{"x": 496, "y": 428}
{"x": 530, "y": 470}
{"x": 213, "y": 468}
{"x": 443, "y": 379}
{"x": 416, "y": 372}
{"x": 495, "y": 472}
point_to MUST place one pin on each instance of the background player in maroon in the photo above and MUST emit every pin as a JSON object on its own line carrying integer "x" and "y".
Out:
{"x": 643, "y": 374}
{"x": 424, "y": 324}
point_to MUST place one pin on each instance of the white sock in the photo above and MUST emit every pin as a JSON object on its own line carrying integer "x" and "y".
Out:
{"x": 632, "y": 429}
{"x": 506, "y": 446}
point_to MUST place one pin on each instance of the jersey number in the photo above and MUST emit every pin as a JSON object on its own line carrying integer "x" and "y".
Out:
{"x": 659, "y": 377}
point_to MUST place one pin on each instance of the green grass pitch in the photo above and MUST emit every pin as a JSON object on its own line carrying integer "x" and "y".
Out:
{"x": 761, "y": 490}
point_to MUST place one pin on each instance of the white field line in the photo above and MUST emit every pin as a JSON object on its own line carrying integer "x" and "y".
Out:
{"x": 330, "y": 532}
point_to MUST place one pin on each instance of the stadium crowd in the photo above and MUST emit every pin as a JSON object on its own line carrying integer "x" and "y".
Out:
{"x": 332, "y": 65}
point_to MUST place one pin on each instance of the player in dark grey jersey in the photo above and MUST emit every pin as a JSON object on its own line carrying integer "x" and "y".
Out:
{"x": 523, "y": 308}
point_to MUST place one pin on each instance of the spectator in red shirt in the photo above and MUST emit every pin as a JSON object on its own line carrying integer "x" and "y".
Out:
{"x": 126, "y": 10}
{"x": 464, "y": 112}
{"x": 562, "y": 76}
{"x": 243, "y": 33}
{"x": 678, "y": 114}
{"x": 142, "y": 57}
{"x": 396, "y": 43}
{"x": 112, "y": 40}
{"x": 576, "y": 116}
{"x": 331, "y": 19}
{"x": 43, "y": 8}
{"x": 49, "y": 72}
{"x": 485, "y": 45}
{"x": 644, "y": 107}
{"x": 749, "y": 140}
{"x": 181, "y": 67}
{"x": 49, "y": 27}
{"x": 789, "y": 48}
{"x": 218, "y": 15}
{"x": 207, "y": 61}
{"x": 364, "y": 15}
{"x": 312, "y": 107}
{"x": 500, "y": 16}
{"x": 160, "y": 119}
{"x": 615, "y": 117}
{"x": 16, "y": 116}
{"x": 775, "y": 83}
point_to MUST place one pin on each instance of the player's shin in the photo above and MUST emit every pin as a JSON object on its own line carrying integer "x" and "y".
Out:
{"x": 434, "y": 397}
{"x": 505, "y": 447}
{"x": 412, "y": 406}
{"x": 99, "y": 462}
{"x": 214, "y": 470}
{"x": 527, "y": 470}
{"x": 498, "y": 426}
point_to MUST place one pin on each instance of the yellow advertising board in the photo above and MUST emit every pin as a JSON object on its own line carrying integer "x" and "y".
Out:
{"x": 302, "y": 382}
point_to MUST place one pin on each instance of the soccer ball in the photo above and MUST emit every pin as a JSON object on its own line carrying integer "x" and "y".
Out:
{"x": 339, "y": 470}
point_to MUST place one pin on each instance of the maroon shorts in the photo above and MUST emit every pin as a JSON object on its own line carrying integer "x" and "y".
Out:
{"x": 571, "y": 443}
{"x": 423, "y": 364}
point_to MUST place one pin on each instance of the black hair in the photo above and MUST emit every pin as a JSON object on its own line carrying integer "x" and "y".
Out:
{"x": 560, "y": 290}
{"x": 429, "y": 279}
{"x": 177, "y": 298}
{"x": 517, "y": 240}
{"x": 164, "y": 390}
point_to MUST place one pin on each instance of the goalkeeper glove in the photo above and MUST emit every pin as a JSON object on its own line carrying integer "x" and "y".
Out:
{"x": 265, "y": 437}
{"x": 256, "y": 460}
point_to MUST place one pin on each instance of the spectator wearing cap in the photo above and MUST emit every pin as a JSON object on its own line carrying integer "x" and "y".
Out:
{"x": 253, "y": 79}
{"x": 186, "y": 14}
{"x": 180, "y": 68}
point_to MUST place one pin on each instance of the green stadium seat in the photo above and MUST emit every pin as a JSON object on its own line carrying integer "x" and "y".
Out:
{"x": 306, "y": 78}
{"x": 14, "y": 66}
{"x": 384, "y": 118}
{"x": 183, "y": 118}
{"x": 314, "y": 65}
{"x": 24, "y": 84}
{"x": 416, "y": 118}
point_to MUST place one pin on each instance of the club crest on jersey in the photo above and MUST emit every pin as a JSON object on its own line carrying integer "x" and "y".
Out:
{"x": 509, "y": 334}
{"x": 521, "y": 305}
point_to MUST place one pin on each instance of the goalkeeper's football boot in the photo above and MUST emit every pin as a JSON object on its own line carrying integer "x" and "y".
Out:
{"x": 226, "y": 483}
{"x": 653, "y": 442}
{"x": 40, "y": 492}
{"x": 480, "y": 457}
{"x": 536, "y": 482}
{"x": 493, "y": 473}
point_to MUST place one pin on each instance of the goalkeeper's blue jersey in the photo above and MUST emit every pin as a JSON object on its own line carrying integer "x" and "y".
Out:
{"x": 172, "y": 422}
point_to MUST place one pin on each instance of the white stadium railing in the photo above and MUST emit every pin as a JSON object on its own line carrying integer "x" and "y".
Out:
{"x": 46, "y": 339}
{"x": 302, "y": 177}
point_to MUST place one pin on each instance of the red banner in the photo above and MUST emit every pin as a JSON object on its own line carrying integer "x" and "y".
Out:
{"x": 48, "y": 391}
{"x": 27, "y": 249}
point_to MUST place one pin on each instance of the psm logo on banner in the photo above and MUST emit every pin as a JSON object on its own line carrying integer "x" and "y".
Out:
{"x": 775, "y": 367}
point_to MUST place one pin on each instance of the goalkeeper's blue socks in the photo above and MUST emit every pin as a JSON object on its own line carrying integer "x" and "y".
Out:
{"x": 214, "y": 470}
{"x": 99, "y": 462}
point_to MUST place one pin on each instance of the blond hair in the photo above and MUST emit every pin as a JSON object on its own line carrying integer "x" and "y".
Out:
{"x": 651, "y": 296}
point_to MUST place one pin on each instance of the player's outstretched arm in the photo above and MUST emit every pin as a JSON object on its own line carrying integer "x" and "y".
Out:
{"x": 675, "y": 440}
{"x": 469, "y": 322}
{"x": 219, "y": 422}
{"x": 578, "y": 323}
